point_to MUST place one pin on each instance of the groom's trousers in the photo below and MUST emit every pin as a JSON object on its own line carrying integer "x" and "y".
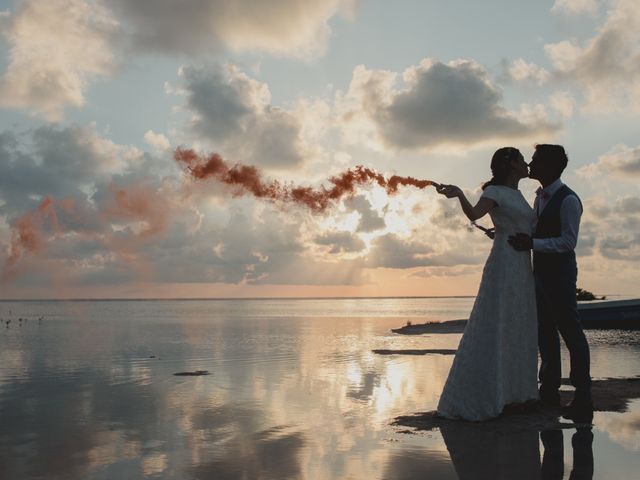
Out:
{"x": 558, "y": 313}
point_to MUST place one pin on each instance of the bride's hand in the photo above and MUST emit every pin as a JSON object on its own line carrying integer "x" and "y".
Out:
{"x": 491, "y": 233}
{"x": 449, "y": 191}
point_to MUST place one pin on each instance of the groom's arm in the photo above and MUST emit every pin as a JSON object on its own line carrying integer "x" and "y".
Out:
{"x": 570, "y": 214}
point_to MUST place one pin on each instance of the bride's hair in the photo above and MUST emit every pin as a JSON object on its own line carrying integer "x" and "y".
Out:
{"x": 501, "y": 165}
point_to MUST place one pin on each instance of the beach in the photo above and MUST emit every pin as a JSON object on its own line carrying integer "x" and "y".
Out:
{"x": 292, "y": 389}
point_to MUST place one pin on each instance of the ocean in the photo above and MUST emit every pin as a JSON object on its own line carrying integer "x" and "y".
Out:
{"x": 88, "y": 391}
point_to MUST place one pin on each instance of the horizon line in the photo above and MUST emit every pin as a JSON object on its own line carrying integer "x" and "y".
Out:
{"x": 124, "y": 299}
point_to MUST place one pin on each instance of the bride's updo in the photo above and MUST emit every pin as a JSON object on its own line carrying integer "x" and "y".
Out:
{"x": 501, "y": 165}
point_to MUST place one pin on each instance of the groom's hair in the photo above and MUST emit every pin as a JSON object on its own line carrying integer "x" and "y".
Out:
{"x": 554, "y": 154}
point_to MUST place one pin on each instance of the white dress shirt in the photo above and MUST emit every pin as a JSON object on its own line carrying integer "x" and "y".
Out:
{"x": 570, "y": 213}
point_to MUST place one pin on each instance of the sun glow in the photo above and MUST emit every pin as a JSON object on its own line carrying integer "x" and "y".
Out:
{"x": 402, "y": 214}
{"x": 396, "y": 212}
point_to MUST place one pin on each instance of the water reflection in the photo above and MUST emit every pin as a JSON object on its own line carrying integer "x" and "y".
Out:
{"x": 553, "y": 459}
{"x": 419, "y": 464}
{"x": 582, "y": 444}
{"x": 270, "y": 454}
{"x": 364, "y": 390}
{"x": 92, "y": 395}
{"x": 624, "y": 429}
{"x": 479, "y": 453}
{"x": 63, "y": 427}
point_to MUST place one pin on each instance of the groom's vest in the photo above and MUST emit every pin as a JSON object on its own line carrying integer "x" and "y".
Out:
{"x": 549, "y": 225}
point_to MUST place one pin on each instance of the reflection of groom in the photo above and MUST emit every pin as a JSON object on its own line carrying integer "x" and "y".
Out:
{"x": 553, "y": 458}
{"x": 558, "y": 210}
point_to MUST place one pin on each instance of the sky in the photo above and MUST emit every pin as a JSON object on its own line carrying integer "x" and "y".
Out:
{"x": 96, "y": 96}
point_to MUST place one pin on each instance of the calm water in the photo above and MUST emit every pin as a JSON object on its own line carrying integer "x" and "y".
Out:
{"x": 294, "y": 392}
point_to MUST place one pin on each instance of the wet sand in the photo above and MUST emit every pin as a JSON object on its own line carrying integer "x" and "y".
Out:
{"x": 609, "y": 395}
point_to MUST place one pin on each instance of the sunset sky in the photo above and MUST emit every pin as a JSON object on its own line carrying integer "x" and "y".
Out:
{"x": 96, "y": 95}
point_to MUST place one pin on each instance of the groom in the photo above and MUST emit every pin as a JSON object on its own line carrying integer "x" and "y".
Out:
{"x": 558, "y": 210}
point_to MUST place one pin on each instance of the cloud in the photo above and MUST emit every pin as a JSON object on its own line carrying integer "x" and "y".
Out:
{"x": 622, "y": 162}
{"x": 628, "y": 205}
{"x": 609, "y": 228}
{"x": 606, "y": 66}
{"x": 437, "y": 250}
{"x": 57, "y": 47}
{"x": 575, "y": 7}
{"x": 157, "y": 140}
{"x": 271, "y": 247}
{"x": 624, "y": 247}
{"x": 341, "y": 242}
{"x": 392, "y": 251}
{"x": 57, "y": 162}
{"x": 563, "y": 103}
{"x": 521, "y": 71}
{"x": 282, "y": 27}
{"x": 448, "y": 271}
{"x": 439, "y": 104}
{"x": 447, "y": 215}
{"x": 234, "y": 113}
{"x": 588, "y": 237}
{"x": 370, "y": 219}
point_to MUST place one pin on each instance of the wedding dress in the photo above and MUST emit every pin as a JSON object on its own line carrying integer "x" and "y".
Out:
{"x": 496, "y": 361}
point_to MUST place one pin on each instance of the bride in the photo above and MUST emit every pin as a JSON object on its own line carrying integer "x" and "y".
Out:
{"x": 496, "y": 361}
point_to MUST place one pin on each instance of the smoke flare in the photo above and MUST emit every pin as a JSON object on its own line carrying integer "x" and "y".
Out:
{"x": 247, "y": 179}
{"x": 148, "y": 211}
{"x": 27, "y": 235}
{"x": 137, "y": 205}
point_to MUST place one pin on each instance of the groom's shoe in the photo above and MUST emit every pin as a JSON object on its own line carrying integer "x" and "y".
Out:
{"x": 579, "y": 412}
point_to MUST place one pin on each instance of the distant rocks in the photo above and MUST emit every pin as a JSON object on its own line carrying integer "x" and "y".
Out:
{"x": 195, "y": 373}
{"x": 414, "y": 352}
{"x": 451, "y": 326}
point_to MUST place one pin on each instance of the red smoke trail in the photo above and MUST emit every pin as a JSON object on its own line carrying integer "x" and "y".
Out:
{"x": 139, "y": 205}
{"x": 27, "y": 235}
{"x": 146, "y": 211}
{"x": 247, "y": 179}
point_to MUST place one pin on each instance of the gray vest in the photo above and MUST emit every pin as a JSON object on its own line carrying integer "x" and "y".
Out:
{"x": 549, "y": 225}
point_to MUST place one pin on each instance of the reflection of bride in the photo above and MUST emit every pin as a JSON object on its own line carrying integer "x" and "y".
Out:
{"x": 482, "y": 453}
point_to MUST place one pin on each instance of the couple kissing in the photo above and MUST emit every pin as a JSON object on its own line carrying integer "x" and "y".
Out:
{"x": 527, "y": 295}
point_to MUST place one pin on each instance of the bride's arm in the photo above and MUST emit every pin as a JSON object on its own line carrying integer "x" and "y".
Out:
{"x": 473, "y": 212}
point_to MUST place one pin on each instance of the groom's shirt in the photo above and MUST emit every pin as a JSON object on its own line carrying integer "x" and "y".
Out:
{"x": 570, "y": 213}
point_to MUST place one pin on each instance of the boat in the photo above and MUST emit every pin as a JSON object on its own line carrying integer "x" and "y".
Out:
{"x": 610, "y": 314}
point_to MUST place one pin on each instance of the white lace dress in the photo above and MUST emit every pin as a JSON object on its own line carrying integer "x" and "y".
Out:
{"x": 496, "y": 361}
